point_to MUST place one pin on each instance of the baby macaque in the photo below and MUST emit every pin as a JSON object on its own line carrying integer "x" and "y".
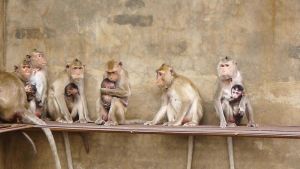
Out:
{"x": 237, "y": 94}
{"x": 72, "y": 98}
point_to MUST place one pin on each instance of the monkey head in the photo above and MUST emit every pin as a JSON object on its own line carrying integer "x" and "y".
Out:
{"x": 75, "y": 69}
{"x": 24, "y": 69}
{"x": 227, "y": 68}
{"x": 38, "y": 59}
{"x": 71, "y": 90}
{"x": 113, "y": 69}
{"x": 164, "y": 76}
{"x": 237, "y": 91}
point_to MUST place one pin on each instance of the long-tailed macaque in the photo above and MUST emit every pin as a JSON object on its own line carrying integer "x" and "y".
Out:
{"x": 57, "y": 107}
{"x": 72, "y": 98}
{"x": 228, "y": 77}
{"x": 115, "y": 90}
{"x": 181, "y": 101}
{"x": 24, "y": 72}
{"x": 39, "y": 79}
{"x": 14, "y": 107}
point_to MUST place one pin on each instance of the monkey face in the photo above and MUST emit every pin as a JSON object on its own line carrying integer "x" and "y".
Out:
{"x": 71, "y": 91}
{"x": 39, "y": 60}
{"x": 227, "y": 69}
{"x": 77, "y": 72}
{"x": 25, "y": 71}
{"x": 236, "y": 93}
{"x": 114, "y": 74}
{"x": 164, "y": 76}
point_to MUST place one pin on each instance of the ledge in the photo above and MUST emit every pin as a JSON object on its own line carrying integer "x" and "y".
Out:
{"x": 202, "y": 130}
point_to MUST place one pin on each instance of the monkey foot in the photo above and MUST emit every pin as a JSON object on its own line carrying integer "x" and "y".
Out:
{"x": 252, "y": 125}
{"x": 231, "y": 125}
{"x": 190, "y": 124}
{"x": 148, "y": 123}
{"x": 99, "y": 122}
{"x": 82, "y": 121}
{"x": 110, "y": 123}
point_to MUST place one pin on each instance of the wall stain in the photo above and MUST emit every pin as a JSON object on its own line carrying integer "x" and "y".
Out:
{"x": 135, "y": 4}
{"x": 34, "y": 33}
{"x": 134, "y": 20}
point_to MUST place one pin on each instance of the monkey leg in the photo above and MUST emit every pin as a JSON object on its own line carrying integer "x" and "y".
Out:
{"x": 195, "y": 114}
{"x": 103, "y": 112}
{"x": 116, "y": 113}
{"x": 227, "y": 109}
{"x": 171, "y": 115}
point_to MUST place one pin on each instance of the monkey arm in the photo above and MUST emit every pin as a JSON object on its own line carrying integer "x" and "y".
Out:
{"x": 218, "y": 107}
{"x": 161, "y": 112}
{"x": 249, "y": 114}
{"x": 63, "y": 107}
{"x": 118, "y": 92}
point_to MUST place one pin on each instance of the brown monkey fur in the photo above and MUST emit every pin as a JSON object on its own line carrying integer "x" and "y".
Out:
{"x": 57, "y": 108}
{"x": 228, "y": 77}
{"x": 14, "y": 107}
{"x": 181, "y": 101}
{"x": 115, "y": 113}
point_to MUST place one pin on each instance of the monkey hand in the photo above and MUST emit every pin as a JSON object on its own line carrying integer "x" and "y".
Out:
{"x": 82, "y": 120}
{"x": 149, "y": 123}
{"x": 223, "y": 124}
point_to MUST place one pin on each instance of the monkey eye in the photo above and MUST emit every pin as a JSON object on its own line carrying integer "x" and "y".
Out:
{"x": 80, "y": 67}
{"x": 222, "y": 65}
{"x": 227, "y": 65}
{"x": 159, "y": 74}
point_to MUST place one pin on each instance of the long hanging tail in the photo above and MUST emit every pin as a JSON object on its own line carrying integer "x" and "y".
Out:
{"x": 35, "y": 120}
{"x": 85, "y": 142}
{"x": 68, "y": 149}
{"x": 30, "y": 141}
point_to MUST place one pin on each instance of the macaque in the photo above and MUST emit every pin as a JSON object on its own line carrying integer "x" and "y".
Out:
{"x": 24, "y": 72}
{"x": 14, "y": 107}
{"x": 181, "y": 101}
{"x": 115, "y": 90}
{"x": 39, "y": 79}
{"x": 228, "y": 77}
{"x": 57, "y": 106}
{"x": 72, "y": 98}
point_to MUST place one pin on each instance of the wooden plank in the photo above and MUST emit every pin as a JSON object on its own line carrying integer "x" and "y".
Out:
{"x": 13, "y": 127}
{"x": 240, "y": 131}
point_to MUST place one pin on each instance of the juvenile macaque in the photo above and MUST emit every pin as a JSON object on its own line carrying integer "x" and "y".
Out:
{"x": 24, "y": 72}
{"x": 228, "y": 77}
{"x": 115, "y": 90}
{"x": 181, "y": 101}
{"x": 57, "y": 107}
{"x": 72, "y": 98}
{"x": 14, "y": 107}
{"x": 39, "y": 78}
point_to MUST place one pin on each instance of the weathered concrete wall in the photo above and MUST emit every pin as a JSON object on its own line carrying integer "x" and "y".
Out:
{"x": 191, "y": 35}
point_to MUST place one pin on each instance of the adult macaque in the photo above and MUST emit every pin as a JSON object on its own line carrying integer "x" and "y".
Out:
{"x": 39, "y": 78}
{"x": 115, "y": 90}
{"x": 181, "y": 101}
{"x": 228, "y": 77}
{"x": 24, "y": 72}
{"x": 57, "y": 107}
{"x": 14, "y": 107}
{"x": 72, "y": 98}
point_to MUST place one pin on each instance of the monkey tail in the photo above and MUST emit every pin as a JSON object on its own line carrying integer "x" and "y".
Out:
{"x": 85, "y": 141}
{"x": 68, "y": 150}
{"x": 35, "y": 120}
{"x": 134, "y": 121}
{"x": 31, "y": 142}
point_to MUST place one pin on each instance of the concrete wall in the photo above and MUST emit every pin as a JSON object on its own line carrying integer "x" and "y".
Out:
{"x": 191, "y": 35}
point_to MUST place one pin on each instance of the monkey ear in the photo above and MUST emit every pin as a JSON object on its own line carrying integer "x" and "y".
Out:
{"x": 28, "y": 56}
{"x": 120, "y": 64}
{"x": 67, "y": 66}
{"x": 172, "y": 71}
{"x": 16, "y": 68}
